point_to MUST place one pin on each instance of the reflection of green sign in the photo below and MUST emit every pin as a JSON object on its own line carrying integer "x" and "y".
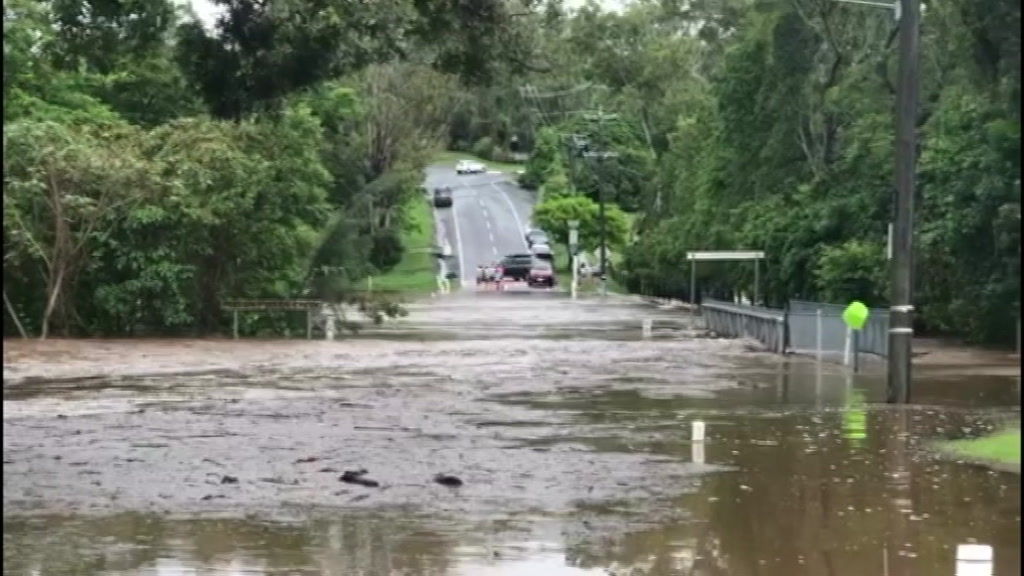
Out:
{"x": 855, "y": 418}
{"x": 855, "y": 315}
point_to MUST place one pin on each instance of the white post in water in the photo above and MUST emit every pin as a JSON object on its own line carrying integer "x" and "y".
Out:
{"x": 697, "y": 431}
{"x": 846, "y": 349}
{"x": 648, "y": 327}
{"x": 574, "y": 240}
{"x": 973, "y": 560}
{"x": 329, "y": 326}
{"x": 697, "y": 452}
{"x": 817, "y": 318}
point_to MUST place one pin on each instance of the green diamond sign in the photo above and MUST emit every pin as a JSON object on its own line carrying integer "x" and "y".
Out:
{"x": 855, "y": 315}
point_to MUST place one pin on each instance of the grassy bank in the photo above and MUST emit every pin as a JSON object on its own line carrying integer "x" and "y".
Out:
{"x": 1002, "y": 449}
{"x": 415, "y": 273}
{"x": 449, "y": 157}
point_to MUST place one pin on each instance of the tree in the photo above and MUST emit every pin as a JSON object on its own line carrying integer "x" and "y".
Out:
{"x": 554, "y": 215}
{"x": 61, "y": 184}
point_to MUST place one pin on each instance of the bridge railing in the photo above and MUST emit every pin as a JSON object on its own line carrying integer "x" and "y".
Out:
{"x": 766, "y": 325}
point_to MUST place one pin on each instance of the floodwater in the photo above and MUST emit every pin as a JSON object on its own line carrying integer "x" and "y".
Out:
{"x": 570, "y": 431}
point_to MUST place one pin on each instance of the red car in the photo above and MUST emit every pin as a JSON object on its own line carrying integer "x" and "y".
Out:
{"x": 541, "y": 274}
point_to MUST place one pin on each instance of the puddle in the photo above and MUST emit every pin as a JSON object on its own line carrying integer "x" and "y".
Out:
{"x": 574, "y": 450}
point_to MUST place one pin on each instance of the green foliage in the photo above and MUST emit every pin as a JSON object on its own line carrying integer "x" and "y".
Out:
{"x": 484, "y": 148}
{"x": 854, "y": 270}
{"x": 386, "y": 250}
{"x": 553, "y": 215}
{"x": 546, "y": 154}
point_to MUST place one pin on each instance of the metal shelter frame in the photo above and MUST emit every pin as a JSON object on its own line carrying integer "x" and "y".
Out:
{"x": 722, "y": 256}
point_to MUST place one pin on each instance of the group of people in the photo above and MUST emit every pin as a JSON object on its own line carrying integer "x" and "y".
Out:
{"x": 490, "y": 275}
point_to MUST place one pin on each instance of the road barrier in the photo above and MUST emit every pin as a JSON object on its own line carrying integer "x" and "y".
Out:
{"x": 766, "y": 325}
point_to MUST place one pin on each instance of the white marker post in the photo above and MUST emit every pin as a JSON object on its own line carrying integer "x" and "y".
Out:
{"x": 574, "y": 239}
{"x": 974, "y": 560}
{"x": 697, "y": 441}
{"x": 818, "y": 333}
{"x": 846, "y": 349}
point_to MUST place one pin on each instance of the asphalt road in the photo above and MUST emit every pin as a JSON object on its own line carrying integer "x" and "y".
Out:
{"x": 487, "y": 219}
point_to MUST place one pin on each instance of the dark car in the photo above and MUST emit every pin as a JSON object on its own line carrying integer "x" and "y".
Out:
{"x": 517, "y": 266}
{"x": 442, "y": 197}
{"x": 535, "y": 236}
{"x": 541, "y": 274}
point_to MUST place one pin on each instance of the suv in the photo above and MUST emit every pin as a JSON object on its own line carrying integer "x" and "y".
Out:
{"x": 517, "y": 266}
{"x": 442, "y": 197}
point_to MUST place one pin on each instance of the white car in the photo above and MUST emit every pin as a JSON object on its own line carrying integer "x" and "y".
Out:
{"x": 469, "y": 167}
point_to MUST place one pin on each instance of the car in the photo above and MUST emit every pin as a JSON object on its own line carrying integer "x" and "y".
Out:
{"x": 535, "y": 236}
{"x": 517, "y": 266}
{"x": 469, "y": 167}
{"x": 541, "y": 274}
{"x": 542, "y": 252}
{"x": 443, "y": 197}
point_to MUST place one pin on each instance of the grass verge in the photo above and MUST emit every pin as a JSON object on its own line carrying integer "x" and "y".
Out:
{"x": 1001, "y": 447}
{"x": 1000, "y": 451}
{"x": 450, "y": 157}
{"x": 415, "y": 273}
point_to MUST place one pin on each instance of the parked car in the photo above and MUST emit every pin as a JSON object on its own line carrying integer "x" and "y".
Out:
{"x": 469, "y": 167}
{"x": 542, "y": 274}
{"x": 443, "y": 197}
{"x": 542, "y": 252}
{"x": 517, "y": 266}
{"x": 535, "y": 236}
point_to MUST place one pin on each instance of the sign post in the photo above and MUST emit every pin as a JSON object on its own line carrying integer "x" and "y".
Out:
{"x": 855, "y": 316}
{"x": 574, "y": 239}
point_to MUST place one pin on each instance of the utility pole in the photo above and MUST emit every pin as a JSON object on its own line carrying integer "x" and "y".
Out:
{"x": 901, "y": 310}
{"x": 600, "y": 117}
{"x": 901, "y": 317}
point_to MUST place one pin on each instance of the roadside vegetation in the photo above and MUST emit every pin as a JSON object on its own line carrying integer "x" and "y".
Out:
{"x": 755, "y": 125}
{"x": 450, "y": 157}
{"x": 1001, "y": 448}
{"x": 155, "y": 167}
{"x": 416, "y": 272}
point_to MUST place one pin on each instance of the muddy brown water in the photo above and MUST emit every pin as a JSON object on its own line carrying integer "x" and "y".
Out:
{"x": 570, "y": 431}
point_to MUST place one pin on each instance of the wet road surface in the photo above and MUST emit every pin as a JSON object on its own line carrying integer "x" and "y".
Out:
{"x": 570, "y": 432}
{"x": 487, "y": 220}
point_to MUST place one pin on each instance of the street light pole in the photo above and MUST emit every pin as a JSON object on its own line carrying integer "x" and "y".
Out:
{"x": 901, "y": 319}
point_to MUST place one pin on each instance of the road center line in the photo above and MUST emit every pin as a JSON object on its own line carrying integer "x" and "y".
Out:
{"x": 515, "y": 214}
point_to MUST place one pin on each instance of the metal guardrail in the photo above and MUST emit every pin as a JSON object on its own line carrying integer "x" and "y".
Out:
{"x": 766, "y": 325}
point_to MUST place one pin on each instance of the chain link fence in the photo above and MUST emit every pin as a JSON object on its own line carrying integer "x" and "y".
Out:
{"x": 805, "y": 328}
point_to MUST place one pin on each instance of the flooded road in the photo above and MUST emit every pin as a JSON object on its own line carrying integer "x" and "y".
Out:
{"x": 569, "y": 431}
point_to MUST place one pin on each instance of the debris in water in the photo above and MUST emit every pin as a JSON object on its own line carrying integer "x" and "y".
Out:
{"x": 356, "y": 477}
{"x": 446, "y": 480}
{"x": 307, "y": 460}
{"x": 229, "y": 480}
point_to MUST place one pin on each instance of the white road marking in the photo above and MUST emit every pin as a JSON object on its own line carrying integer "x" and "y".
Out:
{"x": 458, "y": 241}
{"x": 515, "y": 214}
{"x": 491, "y": 235}
{"x": 488, "y": 222}
{"x": 495, "y": 249}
